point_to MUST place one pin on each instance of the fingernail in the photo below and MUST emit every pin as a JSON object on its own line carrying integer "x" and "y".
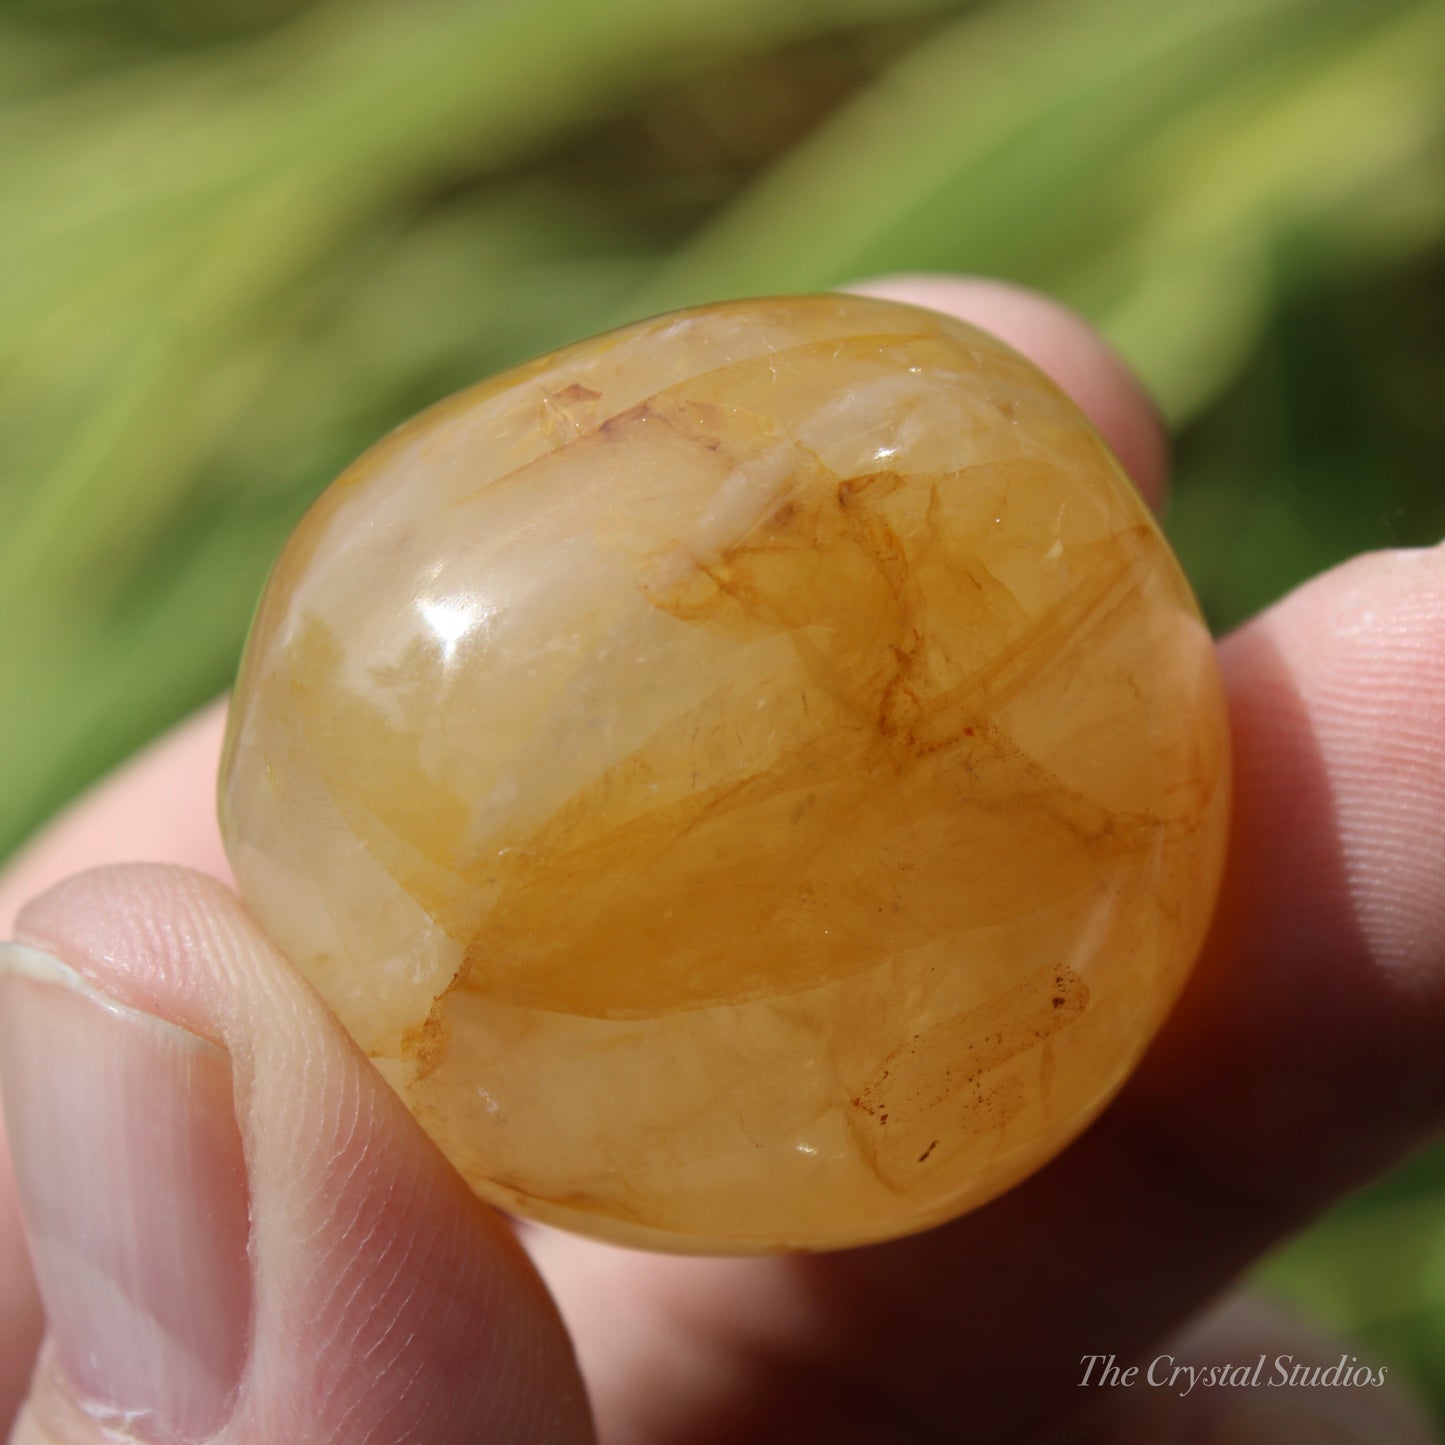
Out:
{"x": 132, "y": 1181}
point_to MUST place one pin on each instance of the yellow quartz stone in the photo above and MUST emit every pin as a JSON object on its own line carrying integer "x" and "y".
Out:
{"x": 753, "y": 780}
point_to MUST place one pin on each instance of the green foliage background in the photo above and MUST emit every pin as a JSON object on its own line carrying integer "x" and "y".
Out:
{"x": 240, "y": 240}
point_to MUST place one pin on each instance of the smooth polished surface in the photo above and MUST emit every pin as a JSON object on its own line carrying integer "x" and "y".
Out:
{"x": 753, "y": 780}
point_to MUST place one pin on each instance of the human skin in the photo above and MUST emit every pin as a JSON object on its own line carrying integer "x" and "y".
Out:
{"x": 1305, "y": 1058}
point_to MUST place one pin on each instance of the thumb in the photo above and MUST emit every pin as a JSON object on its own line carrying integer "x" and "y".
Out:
{"x": 240, "y": 1234}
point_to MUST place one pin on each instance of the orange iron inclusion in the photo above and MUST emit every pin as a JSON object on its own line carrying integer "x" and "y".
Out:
{"x": 754, "y": 780}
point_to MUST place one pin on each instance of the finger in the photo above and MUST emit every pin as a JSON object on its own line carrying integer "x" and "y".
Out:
{"x": 240, "y": 1234}
{"x": 159, "y": 806}
{"x": 1251, "y": 1373}
{"x": 1307, "y": 1055}
{"x": 1062, "y": 344}
{"x": 20, "y": 1318}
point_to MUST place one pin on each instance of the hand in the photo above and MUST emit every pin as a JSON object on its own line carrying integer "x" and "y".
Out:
{"x": 242, "y": 1236}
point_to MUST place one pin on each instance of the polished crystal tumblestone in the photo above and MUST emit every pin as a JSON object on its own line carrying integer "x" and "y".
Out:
{"x": 753, "y": 780}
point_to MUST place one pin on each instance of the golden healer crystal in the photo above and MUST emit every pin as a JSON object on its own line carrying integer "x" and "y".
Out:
{"x": 753, "y": 780}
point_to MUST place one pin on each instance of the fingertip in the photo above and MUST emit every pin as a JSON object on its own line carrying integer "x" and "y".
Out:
{"x": 388, "y": 1303}
{"x": 1323, "y": 981}
{"x": 1064, "y": 346}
